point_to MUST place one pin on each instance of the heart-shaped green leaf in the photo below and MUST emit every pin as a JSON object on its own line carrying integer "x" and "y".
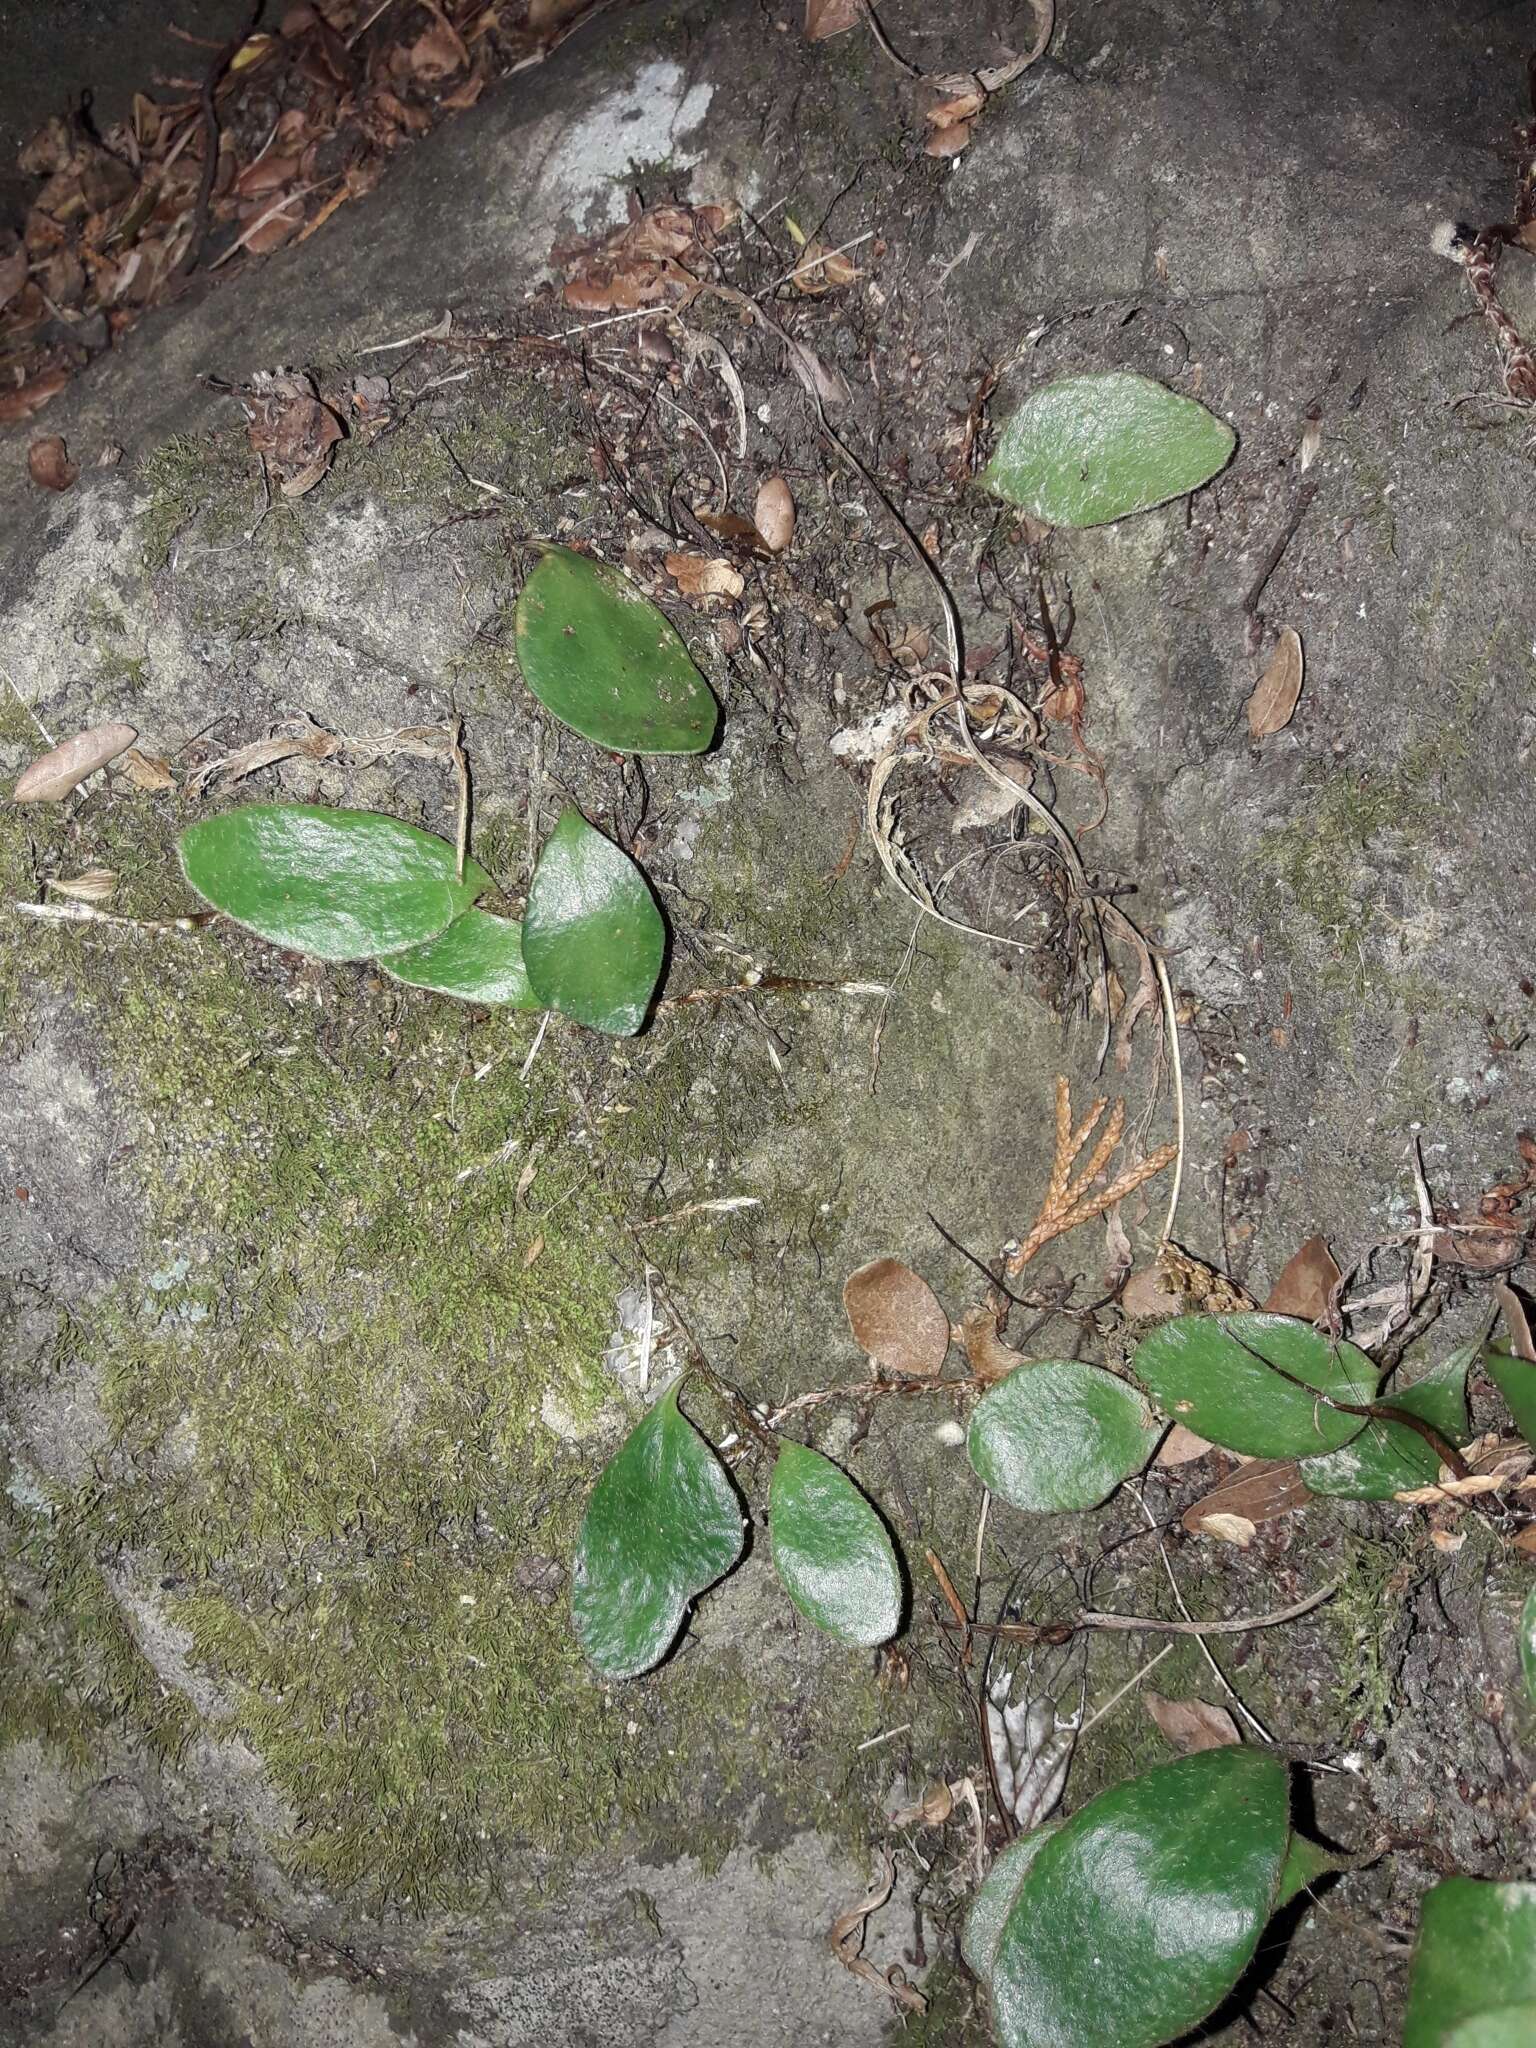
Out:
{"x": 1086, "y": 450}
{"x": 831, "y": 1549}
{"x": 1515, "y": 1379}
{"x": 1475, "y": 1955}
{"x": 990, "y": 1908}
{"x": 599, "y": 655}
{"x": 339, "y": 885}
{"x": 663, "y": 1523}
{"x": 1143, "y": 1910}
{"x": 593, "y": 939}
{"x": 1305, "y": 1862}
{"x": 1060, "y": 1436}
{"x": 1251, "y": 1383}
{"x": 1511, "y": 2026}
{"x": 1528, "y": 1642}
{"x": 1388, "y": 1458}
{"x": 479, "y": 959}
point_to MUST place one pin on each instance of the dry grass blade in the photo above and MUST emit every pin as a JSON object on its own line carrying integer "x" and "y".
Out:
{"x": 1068, "y": 1201}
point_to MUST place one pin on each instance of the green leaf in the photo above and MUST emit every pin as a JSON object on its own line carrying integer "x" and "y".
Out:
{"x": 479, "y": 958}
{"x": 1141, "y": 1913}
{"x": 831, "y": 1549}
{"x": 1515, "y": 1379}
{"x": 663, "y": 1523}
{"x": 1305, "y": 1862}
{"x": 983, "y": 1928}
{"x": 1509, "y": 2026}
{"x": 1475, "y": 1954}
{"x": 1086, "y": 450}
{"x": 339, "y": 885}
{"x": 1060, "y": 1436}
{"x": 599, "y": 655}
{"x": 593, "y": 939}
{"x": 1387, "y": 1458}
{"x": 1528, "y": 1642}
{"x": 1247, "y": 1382}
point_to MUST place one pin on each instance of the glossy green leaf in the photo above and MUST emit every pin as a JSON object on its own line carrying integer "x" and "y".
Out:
{"x": 1510, "y": 2026}
{"x": 479, "y": 959}
{"x": 599, "y": 655}
{"x": 1250, "y": 1383}
{"x": 663, "y": 1523}
{"x": 1305, "y": 1862}
{"x": 1142, "y": 1911}
{"x": 1528, "y": 1642}
{"x": 1515, "y": 1379}
{"x": 1388, "y": 1458}
{"x": 831, "y": 1550}
{"x": 1475, "y": 1955}
{"x": 1060, "y": 1436}
{"x": 593, "y": 939}
{"x": 1086, "y": 450}
{"x": 983, "y": 1928}
{"x": 340, "y": 885}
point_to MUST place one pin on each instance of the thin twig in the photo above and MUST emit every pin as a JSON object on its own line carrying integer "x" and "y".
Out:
{"x": 461, "y": 768}
{"x": 208, "y": 102}
{"x": 1129, "y": 1686}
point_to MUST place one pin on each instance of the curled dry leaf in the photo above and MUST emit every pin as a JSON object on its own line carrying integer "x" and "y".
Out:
{"x": 1149, "y": 1294}
{"x": 1261, "y": 1491}
{"x": 931, "y": 1811}
{"x": 948, "y": 141}
{"x": 1235, "y": 1529}
{"x": 1191, "y": 1725}
{"x": 53, "y": 775}
{"x": 1306, "y": 1284}
{"x": 1278, "y": 690}
{"x": 32, "y": 396}
{"x": 773, "y": 515}
{"x": 990, "y": 1358}
{"x": 48, "y": 463}
{"x": 704, "y": 575}
{"x": 147, "y": 771}
{"x": 896, "y": 1318}
{"x": 820, "y": 268}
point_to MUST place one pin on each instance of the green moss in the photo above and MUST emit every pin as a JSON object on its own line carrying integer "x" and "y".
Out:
{"x": 1365, "y": 1624}
{"x": 192, "y": 476}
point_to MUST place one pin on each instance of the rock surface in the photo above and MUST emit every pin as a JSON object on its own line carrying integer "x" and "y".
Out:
{"x": 306, "y": 1381}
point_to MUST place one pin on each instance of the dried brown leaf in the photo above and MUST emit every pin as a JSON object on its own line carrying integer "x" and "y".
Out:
{"x": 847, "y": 1938}
{"x": 13, "y": 275}
{"x": 48, "y": 463}
{"x": 438, "y": 53}
{"x": 774, "y": 514}
{"x": 931, "y": 1811}
{"x": 32, "y": 396}
{"x": 1278, "y": 690}
{"x": 53, "y": 775}
{"x": 1234, "y": 1529}
{"x": 1262, "y": 1491}
{"x": 825, "y": 18}
{"x": 704, "y": 575}
{"x": 147, "y": 771}
{"x": 96, "y": 885}
{"x": 990, "y": 1358}
{"x": 948, "y": 142}
{"x": 1181, "y": 1447}
{"x": 1149, "y": 1294}
{"x": 1191, "y": 1725}
{"x": 896, "y": 1318}
{"x": 1516, "y": 1322}
{"x": 1306, "y": 1284}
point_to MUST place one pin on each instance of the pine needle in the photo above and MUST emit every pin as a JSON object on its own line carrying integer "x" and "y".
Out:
{"x": 1070, "y": 1201}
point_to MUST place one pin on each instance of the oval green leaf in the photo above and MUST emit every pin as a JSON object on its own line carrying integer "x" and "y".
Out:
{"x": 1086, "y": 450}
{"x": 1515, "y": 1379}
{"x": 599, "y": 655}
{"x": 831, "y": 1550}
{"x": 1058, "y": 1437}
{"x": 1141, "y": 1913}
{"x": 1475, "y": 1955}
{"x": 1387, "y": 1457}
{"x": 983, "y": 1928}
{"x": 479, "y": 959}
{"x": 1250, "y": 1383}
{"x": 663, "y": 1524}
{"x": 339, "y": 885}
{"x": 1510, "y": 2026}
{"x": 593, "y": 939}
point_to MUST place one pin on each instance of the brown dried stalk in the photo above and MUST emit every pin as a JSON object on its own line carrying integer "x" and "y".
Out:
{"x": 1072, "y": 1199}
